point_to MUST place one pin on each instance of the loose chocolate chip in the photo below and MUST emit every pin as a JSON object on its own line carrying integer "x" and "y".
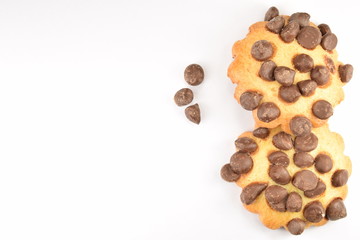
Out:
{"x": 284, "y": 75}
{"x": 282, "y": 141}
{"x": 309, "y": 37}
{"x": 323, "y": 163}
{"x": 193, "y": 113}
{"x": 303, "y": 62}
{"x": 279, "y": 174}
{"x": 305, "y": 180}
{"x": 261, "y": 132}
{"x": 306, "y": 143}
{"x": 336, "y": 210}
{"x": 276, "y": 24}
{"x": 276, "y": 197}
{"x": 314, "y": 212}
{"x": 194, "y": 74}
{"x": 271, "y": 13}
{"x": 289, "y": 94}
{"x": 307, "y": 87}
{"x": 294, "y": 202}
{"x": 267, "y": 70}
{"x": 324, "y": 29}
{"x": 329, "y": 41}
{"x": 300, "y": 126}
{"x": 262, "y": 50}
{"x": 296, "y": 226}
{"x": 251, "y": 192}
{"x": 250, "y": 100}
{"x": 241, "y": 162}
{"x": 322, "y": 109}
{"x": 279, "y": 158}
{"x": 183, "y": 97}
{"x": 246, "y": 145}
{"x": 228, "y": 174}
{"x": 346, "y": 72}
{"x": 320, "y": 74}
{"x": 290, "y": 31}
{"x": 300, "y": 17}
{"x": 319, "y": 189}
{"x": 303, "y": 159}
{"x": 329, "y": 64}
{"x": 339, "y": 178}
{"x": 268, "y": 112}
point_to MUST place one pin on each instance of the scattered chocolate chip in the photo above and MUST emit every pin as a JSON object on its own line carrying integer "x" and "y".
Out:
{"x": 323, "y": 163}
{"x": 300, "y": 126}
{"x": 314, "y": 212}
{"x": 282, "y": 141}
{"x": 303, "y": 63}
{"x": 251, "y": 192}
{"x": 267, "y": 70}
{"x": 284, "y": 75}
{"x": 319, "y": 189}
{"x": 246, "y": 145}
{"x": 271, "y": 13}
{"x": 346, "y": 72}
{"x": 290, "y": 31}
{"x": 329, "y": 41}
{"x": 262, "y": 50}
{"x": 268, "y": 112}
{"x": 329, "y": 64}
{"x": 309, "y": 37}
{"x": 320, "y": 74}
{"x": 307, "y": 87}
{"x": 300, "y": 17}
{"x": 279, "y": 158}
{"x": 324, "y": 29}
{"x": 261, "y": 132}
{"x": 183, "y": 97}
{"x": 250, "y": 100}
{"x": 279, "y": 174}
{"x": 336, "y": 210}
{"x": 305, "y": 180}
{"x": 194, "y": 74}
{"x": 228, "y": 174}
{"x": 339, "y": 178}
{"x": 303, "y": 159}
{"x": 241, "y": 162}
{"x": 289, "y": 94}
{"x": 276, "y": 196}
{"x": 322, "y": 109}
{"x": 296, "y": 226}
{"x": 276, "y": 24}
{"x": 306, "y": 143}
{"x": 294, "y": 202}
{"x": 193, "y": 113}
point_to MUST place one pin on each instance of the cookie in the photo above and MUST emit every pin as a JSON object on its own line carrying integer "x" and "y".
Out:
{"x": 291, "y": 181}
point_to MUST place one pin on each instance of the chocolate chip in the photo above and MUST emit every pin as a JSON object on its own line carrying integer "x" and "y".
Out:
{"x": 346, "y": 72}
{"x": 282, "y": 141}
{"x": 294, "y": 202}
{"x": 309, "y": 37}
{"x": 279, "y": 174}
{"x": 261, "y": 132}
{"x": 320, "y": 74}
{"x": 250, "y": 100}
{"x": 279, "y": 158}
{"x": 306, "y": 143}
{"x": 251, "y": 192}
{"x": 339, "y": 178}
{"x": 314, "y": 212}
{"x": 246, "y": 145}
{"x": 268, "y": 112}
{"x": 271, "y": 13}
{"x": 324, "y": 29}
{"x": 300, "y": 17}
{"x": 300, "y": 126}
{"x": 303, "y": 159}
{"x": 307, "y": 87}
{"x": 194, "y": 74}
{"x": 319, "y": 189}
{"x": 193, "y": 113}
{"x": 322, "y": 109}
{"x": 290, "y": 31}
{"x": 241, "y": 162}
{"x": 276, "y": 197}
{"x": 289, "y": 94}
{"x": 267, "y": 70}
{"x": 296, "y": 226}
{"x": 336, "y": 210}
{"x": 284, "y": 75}
{"x": 262, "y": 50}
{"x": 228, "y": 174}
{"x": 329, "y": 41}
{"x": 303, "y": 62}
{"x": 323, "y": 163}
{"x": 183, "y": 97}
{"x": 329, "y": 64}
{"x": 276, "y": 24}
{"x": 305, "y": 180}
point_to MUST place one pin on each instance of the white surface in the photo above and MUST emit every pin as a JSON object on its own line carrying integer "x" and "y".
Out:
{"x": 92, "y": 145}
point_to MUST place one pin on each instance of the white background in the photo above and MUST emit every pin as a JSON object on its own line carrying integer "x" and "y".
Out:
{"x": 92, "y": 145}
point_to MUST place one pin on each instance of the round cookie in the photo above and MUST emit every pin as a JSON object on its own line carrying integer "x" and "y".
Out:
{"x": 287, "y": 184}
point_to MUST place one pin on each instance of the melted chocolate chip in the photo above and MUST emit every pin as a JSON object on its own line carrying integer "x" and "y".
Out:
{"x": 322, "y": 109}
{"x": 276, "y": 24}
{"x": 305, "y": 180}
{"x": 282, "y": 141}
{"x": 279, "y": 158}
{"x": 314, "y": 212}
{"x": 296, "y": 226}
{"x": 241, "y": 162}
{"x": 262, "y": 50}
{"x": 309, "y": 37}
{"x": 228, "y": 174}
{"x": 271, "y": 13}
{"x": 289, "y": 94}
{"x": 276, "y": 197}
{"x": 279, "y": 174}
{"x": 267, "y": 70}
{"x": 339, "y": 178}
{"x": 329, "y": 64}
{"x": 300, "y": 126}
{"x": 324, "y": 29}
{"x": 336, "y": 210}
{"x": 303, "y": 159}
{"x": 251, "y": 192}
{"x": 318, "y": 190}
{"x": 290, "y": 31}
{"x": 284, "y": 75}
{"x": 183, "y": 97}
{"x": 268, "y": 112}
{"x": 300, "y": 17}
{"x": 307, "y": 87}
{"x": 250, "y": 100}
{"x": 303, "y": 62}
{"x": 193, "y": 113}
{"x": 294, "y": 202}
{"x": 261, "y": 132}
{"x": 329, "y": 41}
{"x": 246, "y": 145}
{"x": 323, "y": 163}
{"x": 194, "y": 74}
{"x": 346, "y": 72}
{"x": 320, "y": 74}
{"x": 306, "y": 143}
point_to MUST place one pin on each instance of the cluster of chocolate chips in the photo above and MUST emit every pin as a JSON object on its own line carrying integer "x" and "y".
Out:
{"x": 194, "y": 75}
